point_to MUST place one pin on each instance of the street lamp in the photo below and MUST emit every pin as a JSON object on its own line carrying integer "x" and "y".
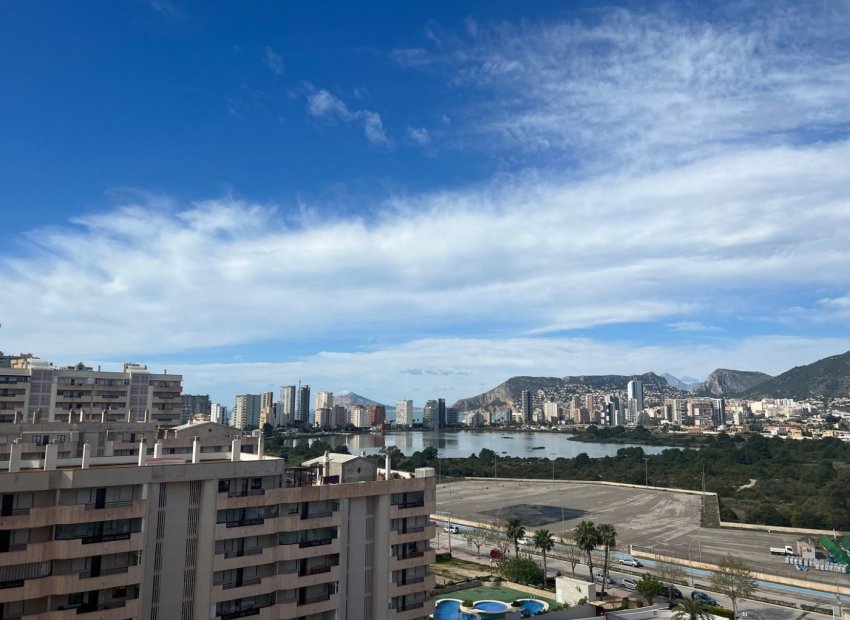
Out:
{"x": 690, "y": 571}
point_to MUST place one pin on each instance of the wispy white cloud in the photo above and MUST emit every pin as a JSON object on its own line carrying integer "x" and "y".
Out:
{"x": 323, "y": 104}
{"x": 692, "y": 326}
{"x": 273, "y": 60}
{"x": 647, "y": 88}
{"x": 418, "y": 135}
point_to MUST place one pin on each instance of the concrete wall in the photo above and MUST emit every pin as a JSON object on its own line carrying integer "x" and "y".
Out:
{"x": 571, "y": 591}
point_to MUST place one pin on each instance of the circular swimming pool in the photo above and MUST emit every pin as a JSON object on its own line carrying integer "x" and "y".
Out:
{"x": 449, "y": 609}
{"x": 531, "y": 606}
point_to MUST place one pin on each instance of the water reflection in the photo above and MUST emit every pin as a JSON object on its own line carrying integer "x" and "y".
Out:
{"x": 464, "y": 443}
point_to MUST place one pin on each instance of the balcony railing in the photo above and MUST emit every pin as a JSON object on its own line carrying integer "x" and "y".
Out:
{"x": 242, "y": 613}
{"x": 315, "y": 543}
{"x": 106, "y": 571}
{"x": 415, "y": 605}
{"x": 245, "y": 522}
{"x": 240, "y": 584}
{"x": 19, "y": 547}
{"x": 411, "y": 530}
{"x": 316, "y": 570}
{"x": 85, "y": 609}
{"x": 239, "y": 554}
{"x": 417, "y": 504}
{"x": 122, "y": 503}
{"x": 315, "y": 599}
{"x": 89, "y": 540}
{"x": 318, "y": 515}
{"x": 249, "y": 493}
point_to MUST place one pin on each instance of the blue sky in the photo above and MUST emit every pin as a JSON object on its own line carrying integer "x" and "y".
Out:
{"x": 413, "y": 200}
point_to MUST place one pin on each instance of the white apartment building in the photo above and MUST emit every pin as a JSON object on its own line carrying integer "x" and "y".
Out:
{"x": 324, "y": 400}
{"x": 246, "y": 411}
{"x": 78, "y": 392}
{"x": 112, "y": 521}
{"x": 404, "y": 413}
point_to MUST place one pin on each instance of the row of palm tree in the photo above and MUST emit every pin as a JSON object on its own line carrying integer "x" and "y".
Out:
{"x": 542, "y": 539}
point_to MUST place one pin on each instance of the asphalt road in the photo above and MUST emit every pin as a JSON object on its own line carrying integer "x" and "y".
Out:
{"x": 755, "y": 610}
{"x": 664, "y": 521}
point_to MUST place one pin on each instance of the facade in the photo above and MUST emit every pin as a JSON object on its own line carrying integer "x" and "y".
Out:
{"x": 302, "y": 404}
{"x": 324, "y": 400}
{"x": 634, "y": 391}
{"x": 287, "y": 404}
{"x": 267, "y": 410}
{"x": 404, "y": 413}
{"x": 30, "y": 385}
{"x": 551, "y": 411}
{"x": 246, "y": 411}
{"x": 193, "y": 404}
{"x": 527, "y": 407}
{"x": 377, "y": 415}
{"x": 430, "y": 414}
{"x": 218, "y": 413}
{"x": 196, "y": 523}
{"x": 442, "y": 421}
{"x": 359, "y": 416}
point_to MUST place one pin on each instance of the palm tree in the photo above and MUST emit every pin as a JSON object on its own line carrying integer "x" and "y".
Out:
{"x": 514, "y": 531}
{"x": 691, "y": 609}
{"x": 607, "y": 537}
{"x": 544, "y": 541}
{"x": 586, "y": 537}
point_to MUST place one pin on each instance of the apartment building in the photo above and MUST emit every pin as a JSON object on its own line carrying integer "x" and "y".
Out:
{"x": 119, "y": 520}
{"x": 34, "y": 386}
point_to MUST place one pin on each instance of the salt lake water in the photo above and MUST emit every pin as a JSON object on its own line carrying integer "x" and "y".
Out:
{"x": 460, "y": 444}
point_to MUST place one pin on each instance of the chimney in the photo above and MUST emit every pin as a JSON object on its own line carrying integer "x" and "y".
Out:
{"x": 15, "y": 457}
{"x": 129, "y": 416}
{"x": 143, "y": 452}
{"x": 261, "y": 447}
{"x": 103, "y": 416}
{"x": 82, "y": 415}
{"x": 51, "y": 453}
{"x": 236, "y": 449}
{"x": 86, "y": 455}
{"x": 18, "y": 417}
{"x": 36, "y": 416}
{"x": 147, "y": 415}
{"x": 196, "y": 449}
{"x": 326, "y": 464}
{"x": 157, "y": 450}
{"x": 387, "y": 468}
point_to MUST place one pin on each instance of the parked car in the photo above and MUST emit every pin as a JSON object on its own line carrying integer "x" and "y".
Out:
{"x": 525, "y": 540}
{"x": 629, "y": 583}
{"x": 704, "y": 598}
{"x": 630, "y": 562}
{"x": 665, "y": 592}
{"x": 451, "y": 529}
{"x": 495, "y": 554}
{"x": 598, "y": 579}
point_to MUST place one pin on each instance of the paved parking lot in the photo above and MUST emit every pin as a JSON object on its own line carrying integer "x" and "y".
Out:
{"x": 666, "y": 521}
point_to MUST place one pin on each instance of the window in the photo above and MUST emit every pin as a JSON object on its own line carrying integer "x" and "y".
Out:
{"x": 256, "y": 483}
{"x": 223, "y": 486}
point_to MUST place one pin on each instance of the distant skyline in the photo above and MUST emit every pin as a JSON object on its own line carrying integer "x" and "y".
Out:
{"x": 421, "y": 200}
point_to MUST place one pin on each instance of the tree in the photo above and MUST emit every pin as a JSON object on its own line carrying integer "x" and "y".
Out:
{"x": 607, "y": 537}
{"x": 648, "y": 587}
{"x": 514, "y": 530}
{"x": 691, "y": 609}
{"x": 670, "y": 574}
{"x": 520, "y": 569}
{"x": 572, "y": 553}
{"x": 587, "y": 538}
{"x": 543, "y": 540}
{"x": 476, "y": 537}
{"x": 497, "y": 537}
{"x": 732, "y": 578}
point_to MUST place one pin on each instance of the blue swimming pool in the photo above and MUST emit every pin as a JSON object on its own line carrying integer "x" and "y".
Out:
{"x": 492, "y": 607}
{"x": 449, "y": 609}
{"x": 532, "y": 606}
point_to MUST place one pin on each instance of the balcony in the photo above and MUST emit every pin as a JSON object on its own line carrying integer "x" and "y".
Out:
{"x": 230, "y": 560}
{"x": 315, "y": 605}
{"x": 309, "y": 549}
{"x": 72, "y": 513}
{"x": 414, "y": 611}
{"x": 117, "y": 610}
{"x": 318, "y": 575}
{"x": 412, "y": 534}
{"x": 417, "y": 558}
{"x": 423, "y": 583}
{"x": 247, "y": 588}
{"x": 239, "y": 584}
{"x": 70, "y": 583}
{"x": 256, "y": 527}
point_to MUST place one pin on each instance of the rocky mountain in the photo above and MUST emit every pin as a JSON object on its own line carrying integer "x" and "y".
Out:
{"x": 682, "y": 384}
{"x": 723, "y": 382}
{"x": 349, "y": 399}
{"x": 826, "y": 378}
{"x": 508, "y": 395}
